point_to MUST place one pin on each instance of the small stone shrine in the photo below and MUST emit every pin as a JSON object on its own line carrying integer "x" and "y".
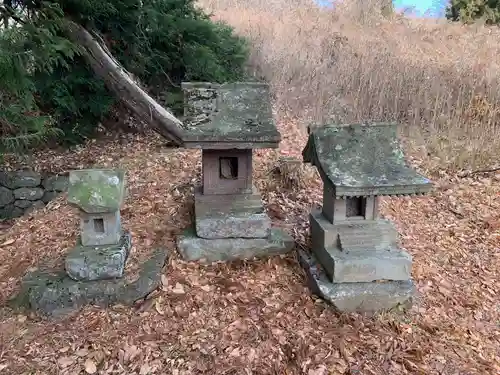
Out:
{"x": 103, "y": 247}
{"x": 356, "y": 263}
{"x": 227, "y": 122}
{"x": 95, "y": 267}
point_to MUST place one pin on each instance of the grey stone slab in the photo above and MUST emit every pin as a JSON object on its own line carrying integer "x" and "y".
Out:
{"x": 54, "y": 294}
{"x": 49, "y": 195}
{"x": 56, "y": 183}
{"x": 35, "y": 206}
{"x": 194, "y": 248}
{"x": 363, "y": 235}
{"x": 230, "y": 216}
{"x": 231, "y": 115}
{"x": 356, "y": 297}
{"x": 6, "y": 196}
{"x": 355, "y": 267}
{"x": 97, "y": 190}
{"x": 29, "y": 193}
{"x": 88, "y": 263}
{"x": 18, "y": 179}
{"x": 23, "y": 203}
{"x": 11, "y": 212}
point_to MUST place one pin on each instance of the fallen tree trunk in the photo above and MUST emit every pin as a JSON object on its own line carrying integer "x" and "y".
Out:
{"x": 123, "y": 86}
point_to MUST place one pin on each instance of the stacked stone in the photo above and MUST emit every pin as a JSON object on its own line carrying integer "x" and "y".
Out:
{"x": 103, "y": 247}
{"x": 356, "y": 262}
{"x": 24, "y": 190}
{"x": 232, "y": 226}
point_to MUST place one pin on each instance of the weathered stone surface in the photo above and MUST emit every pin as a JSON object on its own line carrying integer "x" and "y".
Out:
{"x": 233, "y": 115}
{"x": 36, "y": 205}
{"x": 49, "y": 195}
{"x": 98, "y": 262}
{"x": 356, "y": 297}
{"x": 23, "y": 203}
{"x": 362, "y": 160}
{"x": 361, "y": 236}
{"x": 355, "y": 267}
{"x": 54, "y": 294}
{"x": 227, "y": 171}
{"x": 6, "y": 196}
{"x": 107, "y": 231}
{"x": 352, "y": 236}
{"x": 56, "y": 183}
{"x": 97, "y": 190}
{"x": 193, "y": 248}
{"x": 230, "y": 216}
{"x": 29, "y": 193}
{"x": 11, "y": 212}
{"x": 18, "y": 179}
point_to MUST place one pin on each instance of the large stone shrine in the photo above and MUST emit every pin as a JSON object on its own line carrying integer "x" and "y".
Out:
{"x": 356, "y": 263}
{"x": 228, "y": 121}
{"x": 94, "y": 271}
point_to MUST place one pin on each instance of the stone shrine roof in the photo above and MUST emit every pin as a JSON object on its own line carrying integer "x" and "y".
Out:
{"x": 228, "y": 116}
{"x": 363, "y": 160}
{"x": 97, "y": 190}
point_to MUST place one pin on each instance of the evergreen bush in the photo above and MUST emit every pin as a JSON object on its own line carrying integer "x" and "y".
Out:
{"x": 47, "y": 87}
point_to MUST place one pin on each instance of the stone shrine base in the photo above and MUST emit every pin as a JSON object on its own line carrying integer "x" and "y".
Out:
{"x": 192, "y": 247}
{"x": 89, "y": 263}
{"x": 364, "y": 297}
{"x": 230, "y": 215}
{"x": 55, "y": 293}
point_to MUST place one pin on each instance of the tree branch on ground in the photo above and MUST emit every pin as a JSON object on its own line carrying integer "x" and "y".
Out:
{"x": 118, "y": 80}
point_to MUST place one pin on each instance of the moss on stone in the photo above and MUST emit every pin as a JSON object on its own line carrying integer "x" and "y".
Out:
{"x": 97, "y": 190}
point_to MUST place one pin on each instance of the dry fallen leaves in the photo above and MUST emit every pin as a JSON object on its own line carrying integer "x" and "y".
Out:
{"x": 90, "y": 366}
{"x": 257, "y": 317}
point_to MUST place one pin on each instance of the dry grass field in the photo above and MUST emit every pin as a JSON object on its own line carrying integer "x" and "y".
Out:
{"x": 351, "y": 64}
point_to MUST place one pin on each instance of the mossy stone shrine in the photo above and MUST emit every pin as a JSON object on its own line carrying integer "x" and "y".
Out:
{"x": 356, "y": 262}
{"x": 94, "y": 269}
{"x": 227, "y": 122}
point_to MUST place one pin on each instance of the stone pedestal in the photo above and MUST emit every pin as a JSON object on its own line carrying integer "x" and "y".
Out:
{"x": 54, "y": 293}
{"x": 357, "y": 266}
{"x": 231, "y": 226}
{"x": 89, "y": 263}
{"x": 356, "y": 297}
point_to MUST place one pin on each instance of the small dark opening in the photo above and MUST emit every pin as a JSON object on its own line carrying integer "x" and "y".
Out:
{"x": 228, "y": 168}
{"x": 99, "y": 225}
{"x": 355, "y": 207}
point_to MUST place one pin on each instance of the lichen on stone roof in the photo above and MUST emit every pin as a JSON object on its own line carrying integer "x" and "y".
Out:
{"x": 229, "y": 113}
{"x": 363, "y": 159}
{"x": 97, "y": 190}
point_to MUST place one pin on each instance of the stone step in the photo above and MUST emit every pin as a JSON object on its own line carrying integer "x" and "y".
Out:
{"x": 230, "y": 216}
{"x": 370, "y": 297}
{"x": 194, "y": 248}
{"x": 357, "y": 267}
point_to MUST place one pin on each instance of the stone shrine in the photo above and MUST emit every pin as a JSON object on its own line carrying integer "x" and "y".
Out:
{"x": 95, "y": 267}
{"x": 356, "y": 263}
{"x": 103, "y": 248}
{"x": 228, "y": 121}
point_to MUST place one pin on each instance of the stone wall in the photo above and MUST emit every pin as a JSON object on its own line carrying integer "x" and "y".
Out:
{"x": 23, "y": 191}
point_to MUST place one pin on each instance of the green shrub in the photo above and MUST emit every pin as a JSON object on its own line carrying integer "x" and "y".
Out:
{"x": 470, "y": 10}
{"x": 161, "y": 42}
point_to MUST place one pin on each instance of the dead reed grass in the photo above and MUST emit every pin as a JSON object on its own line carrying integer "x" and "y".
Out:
{"x": 354, "y": 63}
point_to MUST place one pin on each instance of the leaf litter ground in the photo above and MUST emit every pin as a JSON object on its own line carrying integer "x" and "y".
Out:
{"x": 258, "y": 317}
